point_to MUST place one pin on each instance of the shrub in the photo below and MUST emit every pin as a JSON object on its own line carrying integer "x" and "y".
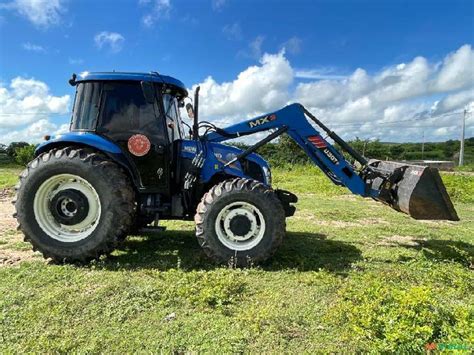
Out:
{"x": 460, "y": 187}
{"x": 25, "y": 154}
{"x": 393, "y": 316}
{"x": 13, "y": 147}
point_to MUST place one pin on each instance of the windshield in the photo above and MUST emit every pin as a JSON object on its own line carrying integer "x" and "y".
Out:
{"x": 173, "y": 118}
{"x": 86, "y": 106}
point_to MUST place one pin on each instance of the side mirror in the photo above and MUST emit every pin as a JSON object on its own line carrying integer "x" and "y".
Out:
{"x": 148, "y": 91}
{"x": 72, "y": 81}
{"x": 190, "y": 110}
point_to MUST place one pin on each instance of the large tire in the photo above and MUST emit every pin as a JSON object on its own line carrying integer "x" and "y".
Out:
{"x": 251, "y": 200}
{"x": 102, "y": 209}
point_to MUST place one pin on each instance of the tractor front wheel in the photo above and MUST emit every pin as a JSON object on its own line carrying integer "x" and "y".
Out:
{"x": 73, "y": 204}
{"x": 240, "y": 222}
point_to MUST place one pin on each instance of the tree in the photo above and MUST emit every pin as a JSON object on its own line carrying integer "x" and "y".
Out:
{"x": 24, "y": 155}
{"x": 12, "y": 148}
{"x": 396, "y": 151}
{"x": 450, "y": 148}
{"x": 376, "y": 150}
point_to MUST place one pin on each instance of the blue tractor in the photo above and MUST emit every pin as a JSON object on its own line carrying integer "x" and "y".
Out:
{"x": 126, "y": 163}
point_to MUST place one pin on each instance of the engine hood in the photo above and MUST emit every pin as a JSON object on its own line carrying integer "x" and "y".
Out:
{"x": 217, "y": 156}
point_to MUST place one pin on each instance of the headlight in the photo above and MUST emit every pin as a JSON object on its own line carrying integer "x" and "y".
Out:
{"x": 267, "y": 174}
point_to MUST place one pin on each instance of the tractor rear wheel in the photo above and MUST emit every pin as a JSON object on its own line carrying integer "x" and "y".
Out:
{"x": 73, "y": 204}
{"x": 240, "y": 222}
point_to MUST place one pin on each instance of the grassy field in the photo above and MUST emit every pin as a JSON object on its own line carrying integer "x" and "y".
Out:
{"x": 351, "y": 275}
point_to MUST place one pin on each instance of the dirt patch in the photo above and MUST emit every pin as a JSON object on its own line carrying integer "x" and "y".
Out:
{"x": 402, "y": 240}
{"x": 8, "y": 255}
{"x": 14, "y": 257}
{"x": 6, "y": 194}
{"x": 7, "y": 222}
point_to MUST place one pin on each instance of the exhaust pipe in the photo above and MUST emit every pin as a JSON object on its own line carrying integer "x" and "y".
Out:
{"x": 415, "y": 190}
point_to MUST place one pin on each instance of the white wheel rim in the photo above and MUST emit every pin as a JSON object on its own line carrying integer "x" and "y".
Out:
{"x": 240, "y": 242}
{"x": 47, "y": 222}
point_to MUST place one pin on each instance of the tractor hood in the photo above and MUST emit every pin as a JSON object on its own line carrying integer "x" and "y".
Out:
{"x": 218, "y": 155}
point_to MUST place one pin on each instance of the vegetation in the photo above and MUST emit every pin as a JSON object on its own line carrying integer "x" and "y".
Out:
{"x": 16, "y": 152}
{"x": 25, "y": 154}
{"x": 286, "y": 151}
{"x": 9, "y": 175}
{"x": 352, "y": 275}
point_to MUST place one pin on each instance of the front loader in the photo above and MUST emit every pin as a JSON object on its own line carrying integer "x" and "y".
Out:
{"x": 126, "y": 164}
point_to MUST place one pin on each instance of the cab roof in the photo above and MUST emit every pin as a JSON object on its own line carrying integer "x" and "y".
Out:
{"x": 115, "y": 76}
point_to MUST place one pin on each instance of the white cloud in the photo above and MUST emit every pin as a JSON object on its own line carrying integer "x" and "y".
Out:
{"x": 256, "y": 89}
{"x": 26, "y": 106}
{"x": 218, "y": 5}
{"x": 32, "y": 133}
{"x": 41, "y": 13}
{"x": 453, "y": 101}
{"x": 111, "y": 40}
{"x": 156, "y": 10}
{"x": 232, "y": 31}
{"x": 457, "y": 71}
{"x": 31, "y": 47}
{"x": 319, "y": 74}
{"x": 399, "y": 103}
{"x": 293, "y": 45}
{"x": 254, "y": 48}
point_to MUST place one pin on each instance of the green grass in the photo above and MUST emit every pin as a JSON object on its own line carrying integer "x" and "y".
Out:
{"x": 9, "y": 175}
{"x": 466, "y": 168}
{"x": 351, "y": 275}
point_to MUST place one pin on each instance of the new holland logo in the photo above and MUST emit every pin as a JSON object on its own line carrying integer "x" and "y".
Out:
{"x": 261, "y": 121}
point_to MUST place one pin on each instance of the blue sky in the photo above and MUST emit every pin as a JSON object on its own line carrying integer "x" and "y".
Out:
{"x": 340, "y": 58}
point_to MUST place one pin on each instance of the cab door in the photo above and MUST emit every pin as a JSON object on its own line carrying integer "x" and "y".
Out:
{"x": 175, "y": 132}
{"x": 137, "y": 126}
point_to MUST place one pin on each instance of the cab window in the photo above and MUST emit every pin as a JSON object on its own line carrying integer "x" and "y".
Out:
{"x": 172, "y": 117}
{"x": 125, "y": 109}
{"x": 86, "y": 106}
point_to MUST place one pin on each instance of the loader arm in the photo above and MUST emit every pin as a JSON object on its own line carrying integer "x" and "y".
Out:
{"x": 292, "y": 118}
{"x": 415, "y": 190}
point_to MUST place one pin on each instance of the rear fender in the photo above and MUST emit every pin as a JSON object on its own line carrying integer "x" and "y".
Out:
{"x": 91, "y": 140}
{"x": 79, "y": 138}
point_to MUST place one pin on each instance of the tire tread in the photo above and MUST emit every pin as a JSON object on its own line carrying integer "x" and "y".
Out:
{"x": 124, "y": 195}
{"x": 249, "y": 186}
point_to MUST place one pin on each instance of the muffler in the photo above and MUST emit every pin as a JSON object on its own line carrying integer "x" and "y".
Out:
{"x": 413, "y": 189}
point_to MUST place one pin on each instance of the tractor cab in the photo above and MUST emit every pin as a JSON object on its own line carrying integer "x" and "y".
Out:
{"x": 139, "y": 113}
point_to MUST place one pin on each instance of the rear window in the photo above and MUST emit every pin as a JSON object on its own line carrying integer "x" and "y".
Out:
{"x": 86, "y": 106}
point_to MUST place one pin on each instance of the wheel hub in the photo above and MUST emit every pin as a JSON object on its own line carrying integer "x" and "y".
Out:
{"x": 69, "y": 207}
{"x": 240, "y": 226}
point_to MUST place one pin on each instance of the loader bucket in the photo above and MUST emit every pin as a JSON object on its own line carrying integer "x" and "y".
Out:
{"x": 418, "y": 191}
